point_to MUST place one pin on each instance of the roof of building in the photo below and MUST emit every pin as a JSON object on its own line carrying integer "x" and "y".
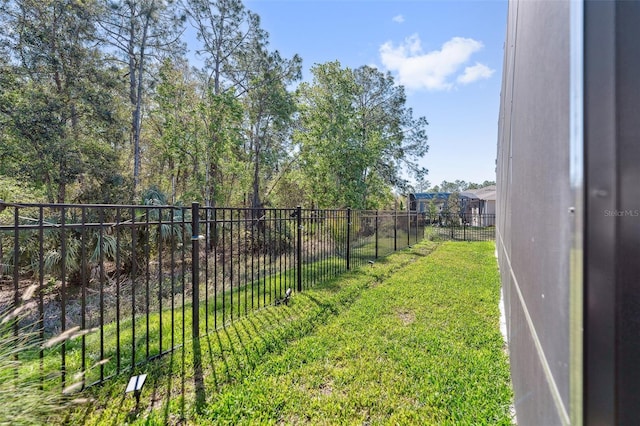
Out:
{"x": 469, "y": 194}
{"x": 443, "y": 195}
{"x": 486, "y": 193}
{"x": 431, "y": 195}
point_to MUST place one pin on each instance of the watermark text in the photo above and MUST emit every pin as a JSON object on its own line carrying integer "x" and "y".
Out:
{"x": 622, "y": 213}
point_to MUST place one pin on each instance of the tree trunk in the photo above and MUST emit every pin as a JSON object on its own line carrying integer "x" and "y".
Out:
{"x": 255, "y": 199}
{"x": 135, "y": 81}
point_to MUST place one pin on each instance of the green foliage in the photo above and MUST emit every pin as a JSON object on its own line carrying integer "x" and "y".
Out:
{"x": 178, "y": 148}
{"x": 13, "y": 190}
{"x": 60, "y": 247}
{"x": 432, "y": 209}
{"x": 140, "y": 32}
{"x": 228, "y": 31}
{"x": 57, "y": 104}
{"x": 459, "y": 186}
{"x": 287, "y": 189}
{"x": 197, "y": 145}
{"x": 452, "y": 209}
{"x": 104, "y": 181}
{"x": 270, "y": 107}
{"x": 222, "y": 116}
{"x": 355, "y": 136}
{"x": 52, "y": 252}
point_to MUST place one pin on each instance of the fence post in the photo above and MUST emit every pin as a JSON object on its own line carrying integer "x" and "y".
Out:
{"x": 195, "y": 269}
{"x": 348, "y": 238}
{"x": 16, "y": 287}
{"x": 299, "y": 247}
{"x": 408, "y": 226}
{"x": 395, "y": 229}
{"x": 452, "y": 223}
{"x": 376, "y": 234}
{"x": 464, "y": 228}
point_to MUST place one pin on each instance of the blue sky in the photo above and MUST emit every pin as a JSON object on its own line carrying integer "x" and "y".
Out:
{"x": 447, "y": 54}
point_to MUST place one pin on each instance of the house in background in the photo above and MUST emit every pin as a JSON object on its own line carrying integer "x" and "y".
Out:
{"x": 420, "y": 201}
{"x": 477, "y": 206}
{"x": 482, "y": 206}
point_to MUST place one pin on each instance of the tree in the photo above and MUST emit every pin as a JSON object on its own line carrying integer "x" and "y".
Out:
{"x": 322, "y": 134}
{"x": 193, "y": 127}
{"x": 229, "y": 34}
{"x": 453, "y": 208}
{"x": 220, "y": 134}
{"x": 141, "y": 32}
{"x": 226, "y": 29}
{"x": 422, "y": 185}
{"x": 432, "y": 210}
{"x": 356, "y": 136}
{"x": 459, "y": 186}
{"x": 269, "y": 108}
{"x": 57, "y": 98}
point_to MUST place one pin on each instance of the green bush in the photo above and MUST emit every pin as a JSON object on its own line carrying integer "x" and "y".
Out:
{"x": 14, "y": 191}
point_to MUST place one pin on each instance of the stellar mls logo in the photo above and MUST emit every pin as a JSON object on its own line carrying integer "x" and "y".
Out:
{"x": 622, "y": 213}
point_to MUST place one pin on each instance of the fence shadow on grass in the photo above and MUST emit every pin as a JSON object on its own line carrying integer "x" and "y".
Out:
{"x": 198, "y": 377}
{"x": 184, "y": 381}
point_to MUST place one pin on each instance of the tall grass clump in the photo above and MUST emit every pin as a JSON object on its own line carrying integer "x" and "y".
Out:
{"x": 25, "y": 399}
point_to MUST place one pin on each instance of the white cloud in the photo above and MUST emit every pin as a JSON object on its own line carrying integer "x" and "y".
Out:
{"x": 434, "y": 70}
{"x": 398, "y": 18}
{"x": 477, "y": 72}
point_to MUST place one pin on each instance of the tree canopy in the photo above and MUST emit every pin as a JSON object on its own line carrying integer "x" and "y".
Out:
{"x": 354, "y": 135}
{"x": 459, "y": 186}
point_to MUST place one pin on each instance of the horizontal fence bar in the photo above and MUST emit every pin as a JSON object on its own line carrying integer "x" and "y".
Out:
{"x": 137, "y": 282}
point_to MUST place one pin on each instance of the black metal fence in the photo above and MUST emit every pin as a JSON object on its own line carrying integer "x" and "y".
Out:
{"x": 463, "y": 227}
{"x": 135, "y": 282}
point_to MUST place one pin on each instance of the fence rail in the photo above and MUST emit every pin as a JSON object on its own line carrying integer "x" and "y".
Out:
{"x": 145, "y": 279}
{"x": 465, "y": 227}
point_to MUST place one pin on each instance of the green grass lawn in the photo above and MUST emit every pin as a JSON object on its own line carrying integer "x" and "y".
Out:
{"x": 414, "y": 339}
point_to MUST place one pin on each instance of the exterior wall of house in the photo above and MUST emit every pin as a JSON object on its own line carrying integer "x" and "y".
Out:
{"x": 611, "y": 237}
{"x": 533, "y": 238}
{"x": 490, "y": 206}
{"x": 489, "y": 218}
{"x": 568, "y": 210}
{"x": 483, "y": 213}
